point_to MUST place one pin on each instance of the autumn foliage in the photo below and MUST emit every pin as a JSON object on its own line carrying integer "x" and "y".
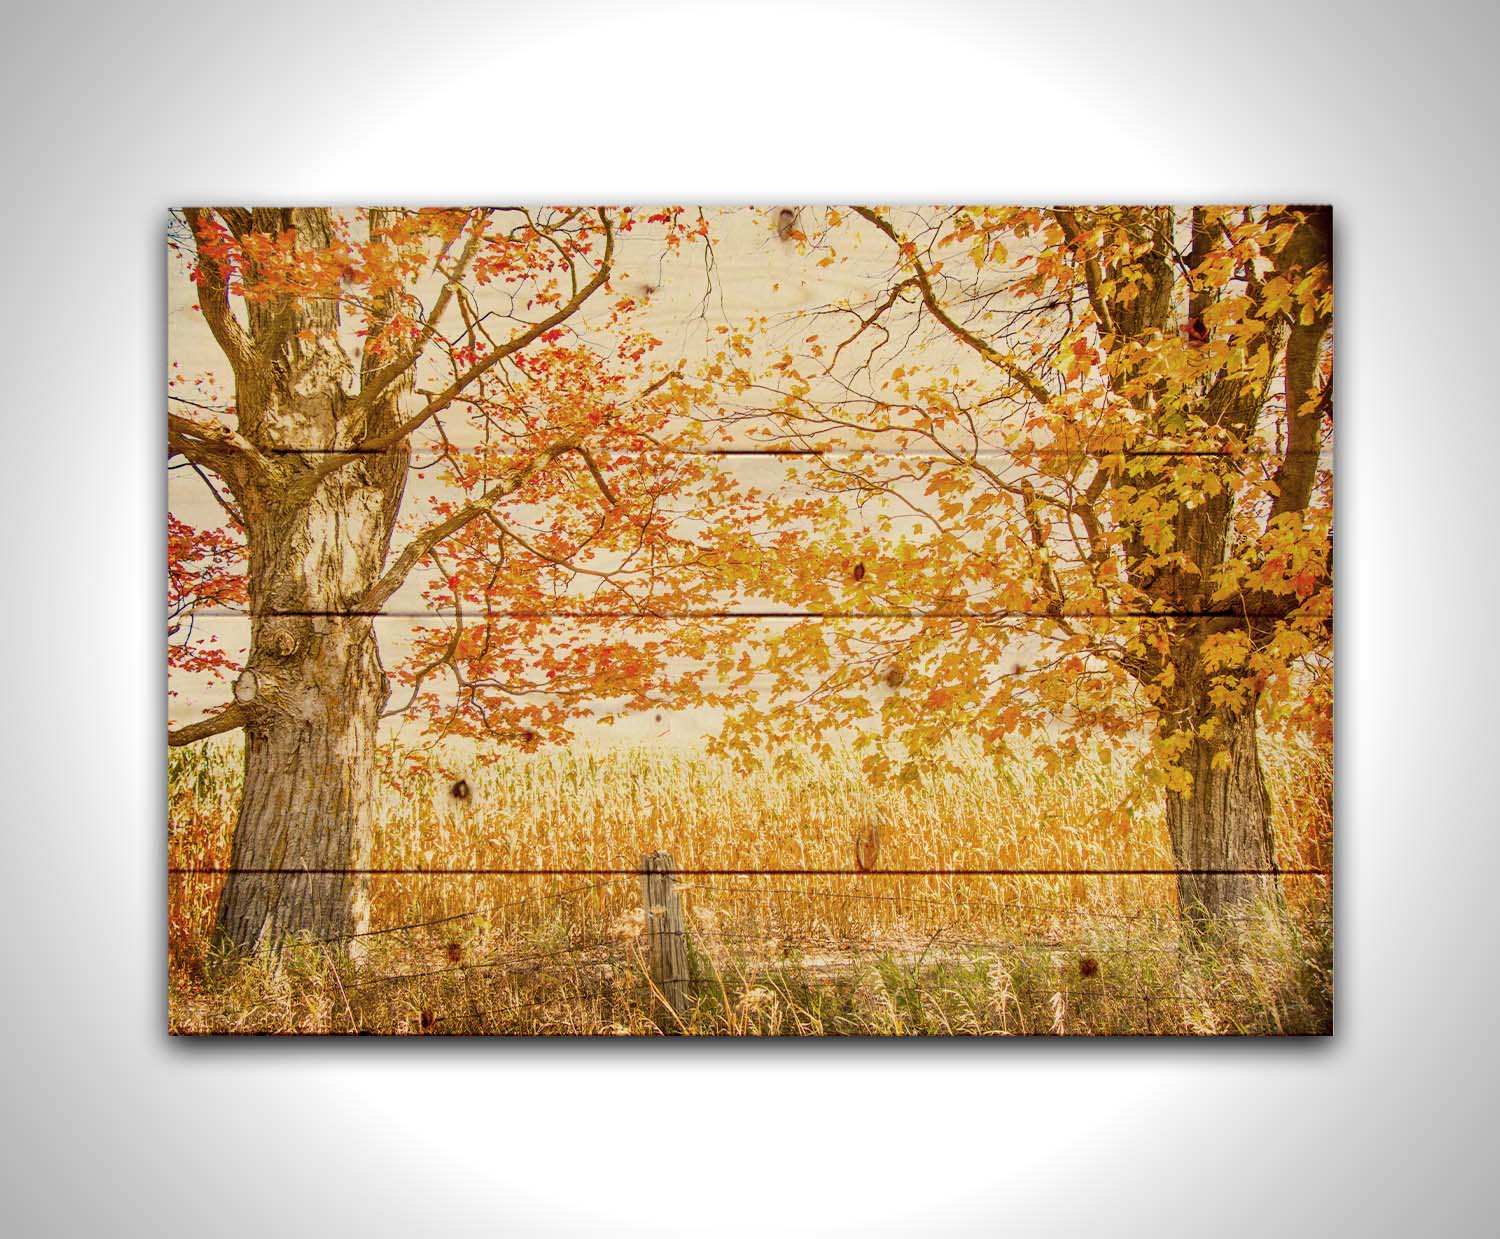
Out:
{"x": 1057, "y": 480}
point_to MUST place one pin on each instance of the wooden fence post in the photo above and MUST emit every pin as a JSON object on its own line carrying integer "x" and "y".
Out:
{"x": 666, "y": 940}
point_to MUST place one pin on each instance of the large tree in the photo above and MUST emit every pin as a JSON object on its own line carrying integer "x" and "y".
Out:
{"x": 1071, "y": 478}
{"x": 494, "y": 340}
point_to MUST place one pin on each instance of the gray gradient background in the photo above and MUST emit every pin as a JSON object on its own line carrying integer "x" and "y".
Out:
{"x": 115, "y": 113}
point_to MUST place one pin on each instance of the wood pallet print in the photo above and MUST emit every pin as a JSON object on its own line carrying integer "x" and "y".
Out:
{"x": 750, "y": 621}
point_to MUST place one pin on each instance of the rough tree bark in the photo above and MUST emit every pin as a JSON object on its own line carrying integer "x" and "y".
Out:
{"x": 312, "y": 689}
{"x": 1223, "y": 820}
{"x": 313, "y": 684}
{"x": 318, "y": 690}
{"x": 317, "y": 461}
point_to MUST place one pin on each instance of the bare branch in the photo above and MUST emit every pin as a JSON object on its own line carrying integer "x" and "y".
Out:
{"x": 214, "y": 299}
{"x": 385, "y": 442}
{"x": 446, "y": 657}
{"x": 598, "y": 477}
{"x": 1093, "y": 277}
{"x": 380, "y": 593}
{"x": 217, "y": 446}
{"x": 1020, "y": 375}
{"x": 1307, "y": 249}
{"x": 231, "y": 717}
{"x": 378, "y": 379}
{"x": 213, "y": 490}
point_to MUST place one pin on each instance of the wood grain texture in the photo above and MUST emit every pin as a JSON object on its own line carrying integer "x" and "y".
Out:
{"x": 876, "y": 543}
{"x": 666, "y": 939}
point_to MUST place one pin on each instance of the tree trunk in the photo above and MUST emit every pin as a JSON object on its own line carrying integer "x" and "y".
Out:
{"x": 318, "y": 689}
{"x": 1223, "y": 821}
{"x": 312, "y": 690}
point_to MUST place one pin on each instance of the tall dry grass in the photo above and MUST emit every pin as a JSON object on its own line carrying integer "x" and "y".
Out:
{"x": 780, "y": 954}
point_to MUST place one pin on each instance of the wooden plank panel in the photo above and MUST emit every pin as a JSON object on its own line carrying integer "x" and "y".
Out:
{"x": 891, "y": 501}
{"x": 683, "y": 675}
{"x": 816, "y": 810}
{"x": 849, "y": 635}
{"x": 745, "y": 283}
{"x": 686, "y": 297}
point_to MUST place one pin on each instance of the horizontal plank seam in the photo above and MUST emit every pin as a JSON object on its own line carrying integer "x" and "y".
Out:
{"x": 762, "y": 615}
{"x": 209, "y": 870}
{"x": 871, "y": 450}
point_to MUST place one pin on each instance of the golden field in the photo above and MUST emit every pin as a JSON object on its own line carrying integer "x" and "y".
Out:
{"x": 858, "y": 953}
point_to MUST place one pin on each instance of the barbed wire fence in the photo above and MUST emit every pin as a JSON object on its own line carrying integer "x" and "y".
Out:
{"x": 676, "y": 967}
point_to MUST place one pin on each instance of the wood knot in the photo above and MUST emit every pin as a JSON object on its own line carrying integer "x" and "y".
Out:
{"x": 280, "y": 638}
{"x": 896, "y": 676}
{"x": 786, "y": 222}
{"x": 460, "y": 790}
